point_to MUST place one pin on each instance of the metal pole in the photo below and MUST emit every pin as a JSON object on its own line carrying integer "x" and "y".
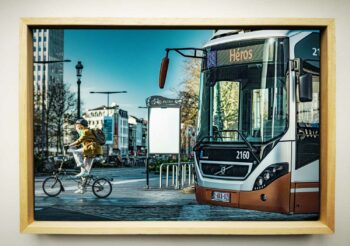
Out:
{"x": 147, "y": 156}
{"x": 178, "y": 172}
{"x": 160, "y": 176}
{"x": 112, "y": 126}
{"x": 167, "y": 177}
{"x": 107, "y": 100}
{"x": 147, "y": 171}
{"x": 177, "y": 176}
{"x": 78, "y": 102}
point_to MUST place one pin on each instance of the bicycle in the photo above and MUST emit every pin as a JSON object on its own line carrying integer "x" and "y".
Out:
{"x": 52, "y": 186}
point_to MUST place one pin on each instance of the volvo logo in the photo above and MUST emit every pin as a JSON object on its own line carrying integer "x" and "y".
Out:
{"x": 223, "y": 170}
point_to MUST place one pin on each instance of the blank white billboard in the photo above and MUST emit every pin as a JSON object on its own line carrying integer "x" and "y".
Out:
{"x": 164, "y": 130}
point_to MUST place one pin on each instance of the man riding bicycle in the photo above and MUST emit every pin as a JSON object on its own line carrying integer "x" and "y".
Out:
{"x": 84, "y": 156}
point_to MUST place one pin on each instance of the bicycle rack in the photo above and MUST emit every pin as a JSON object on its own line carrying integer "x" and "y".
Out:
{"x": 185, "y": 173}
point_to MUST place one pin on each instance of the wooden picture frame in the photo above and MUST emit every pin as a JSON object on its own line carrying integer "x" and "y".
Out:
{"x": 325, "y": 224}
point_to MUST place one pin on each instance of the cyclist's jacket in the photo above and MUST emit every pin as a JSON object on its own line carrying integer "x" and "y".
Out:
{"x": 90, "y": 146}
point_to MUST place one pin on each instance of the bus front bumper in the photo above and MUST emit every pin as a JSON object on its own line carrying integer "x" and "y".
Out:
{"x": 273, "y": 198}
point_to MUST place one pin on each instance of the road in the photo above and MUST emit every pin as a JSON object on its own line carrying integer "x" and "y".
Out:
{"x": 130, "y": 201}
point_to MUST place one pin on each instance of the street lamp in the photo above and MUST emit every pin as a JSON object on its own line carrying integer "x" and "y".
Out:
{"x": 79, "y": 67}
{"x": 44, "y": 129}
{"x": 49, "y": 62}
{"x": 107, "y": 93}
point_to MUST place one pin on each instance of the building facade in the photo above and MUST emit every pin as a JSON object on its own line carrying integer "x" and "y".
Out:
{"x": 95, "y": 118}
{"x": 123, "y": 133}
{"x": 47, "y": 46}
{"x": 137, "y": 136}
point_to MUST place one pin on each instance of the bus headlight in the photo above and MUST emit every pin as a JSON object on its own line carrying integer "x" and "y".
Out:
{"x": 259, "y": 181}
{"x": 270, "y": 174}
{"x": 267, "y": 175}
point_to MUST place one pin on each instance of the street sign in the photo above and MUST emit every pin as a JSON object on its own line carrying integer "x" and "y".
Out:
{"x": 108, "y": 129}
{"x": 164, "y": 130}
{"x": 164, "y": 125}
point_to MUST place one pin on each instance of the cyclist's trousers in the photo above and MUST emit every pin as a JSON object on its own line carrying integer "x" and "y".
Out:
{"x": 85, "y": 162}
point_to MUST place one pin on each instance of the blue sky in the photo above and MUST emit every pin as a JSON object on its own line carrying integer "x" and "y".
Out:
{"x": 126, "y": 60}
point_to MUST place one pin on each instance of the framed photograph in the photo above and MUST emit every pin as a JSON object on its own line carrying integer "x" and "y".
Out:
{"x": 177, "y": 126}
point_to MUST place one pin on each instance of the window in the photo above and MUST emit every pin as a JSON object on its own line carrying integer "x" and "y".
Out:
{"x": 225, "y": 107}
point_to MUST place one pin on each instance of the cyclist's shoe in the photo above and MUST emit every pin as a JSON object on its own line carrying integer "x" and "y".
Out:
{"x": 82, "y": 174}
{"x": 80, "y": 191}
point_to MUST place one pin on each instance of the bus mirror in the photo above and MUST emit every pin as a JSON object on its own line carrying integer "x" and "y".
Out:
{"x": 305, "y": 88}
{"x": 163, "y": 72}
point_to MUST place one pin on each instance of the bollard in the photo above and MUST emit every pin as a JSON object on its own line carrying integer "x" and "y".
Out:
{"x": 160, "y": 176}
{"x": 167, "y": 177}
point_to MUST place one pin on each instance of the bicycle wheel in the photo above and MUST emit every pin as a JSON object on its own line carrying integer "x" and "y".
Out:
{"x": 52, "y": 186}
{"x": 102, "y": 188}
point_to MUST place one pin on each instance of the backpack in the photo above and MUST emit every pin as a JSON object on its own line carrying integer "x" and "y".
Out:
{"x": 99, "y": 135}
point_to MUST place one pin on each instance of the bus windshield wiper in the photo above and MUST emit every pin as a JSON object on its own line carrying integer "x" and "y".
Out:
{"x": 252, "y": 149}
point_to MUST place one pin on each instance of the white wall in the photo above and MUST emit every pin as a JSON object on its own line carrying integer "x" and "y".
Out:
{"x": 12, "y": 10}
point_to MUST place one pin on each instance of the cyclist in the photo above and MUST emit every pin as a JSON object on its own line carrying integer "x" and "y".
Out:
{"x": 84, "y": 156}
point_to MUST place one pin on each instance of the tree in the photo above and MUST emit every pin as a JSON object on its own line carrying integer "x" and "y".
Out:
{"x": 226, "y": 96}
{"x": 61, "y": 104}
{"x": 189, "y": 93}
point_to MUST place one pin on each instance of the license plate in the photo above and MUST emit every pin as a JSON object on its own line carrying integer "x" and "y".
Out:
{"x": 220, "y": 196}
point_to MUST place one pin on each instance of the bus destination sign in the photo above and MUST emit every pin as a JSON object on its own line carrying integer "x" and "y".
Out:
{"x": 240, "y": 55}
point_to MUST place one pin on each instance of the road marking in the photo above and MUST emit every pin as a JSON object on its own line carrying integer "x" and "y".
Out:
{"x": 129, "y": 181}
{"x": 70, "y": 188}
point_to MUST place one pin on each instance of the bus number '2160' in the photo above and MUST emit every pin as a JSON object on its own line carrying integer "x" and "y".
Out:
{"x": 242, "y": 155}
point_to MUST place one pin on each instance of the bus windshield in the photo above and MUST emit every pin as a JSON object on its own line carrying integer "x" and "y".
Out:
{"x": 243, "y": 92}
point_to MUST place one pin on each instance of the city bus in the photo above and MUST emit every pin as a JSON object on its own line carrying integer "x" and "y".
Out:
{"x": 258, "y": 142}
